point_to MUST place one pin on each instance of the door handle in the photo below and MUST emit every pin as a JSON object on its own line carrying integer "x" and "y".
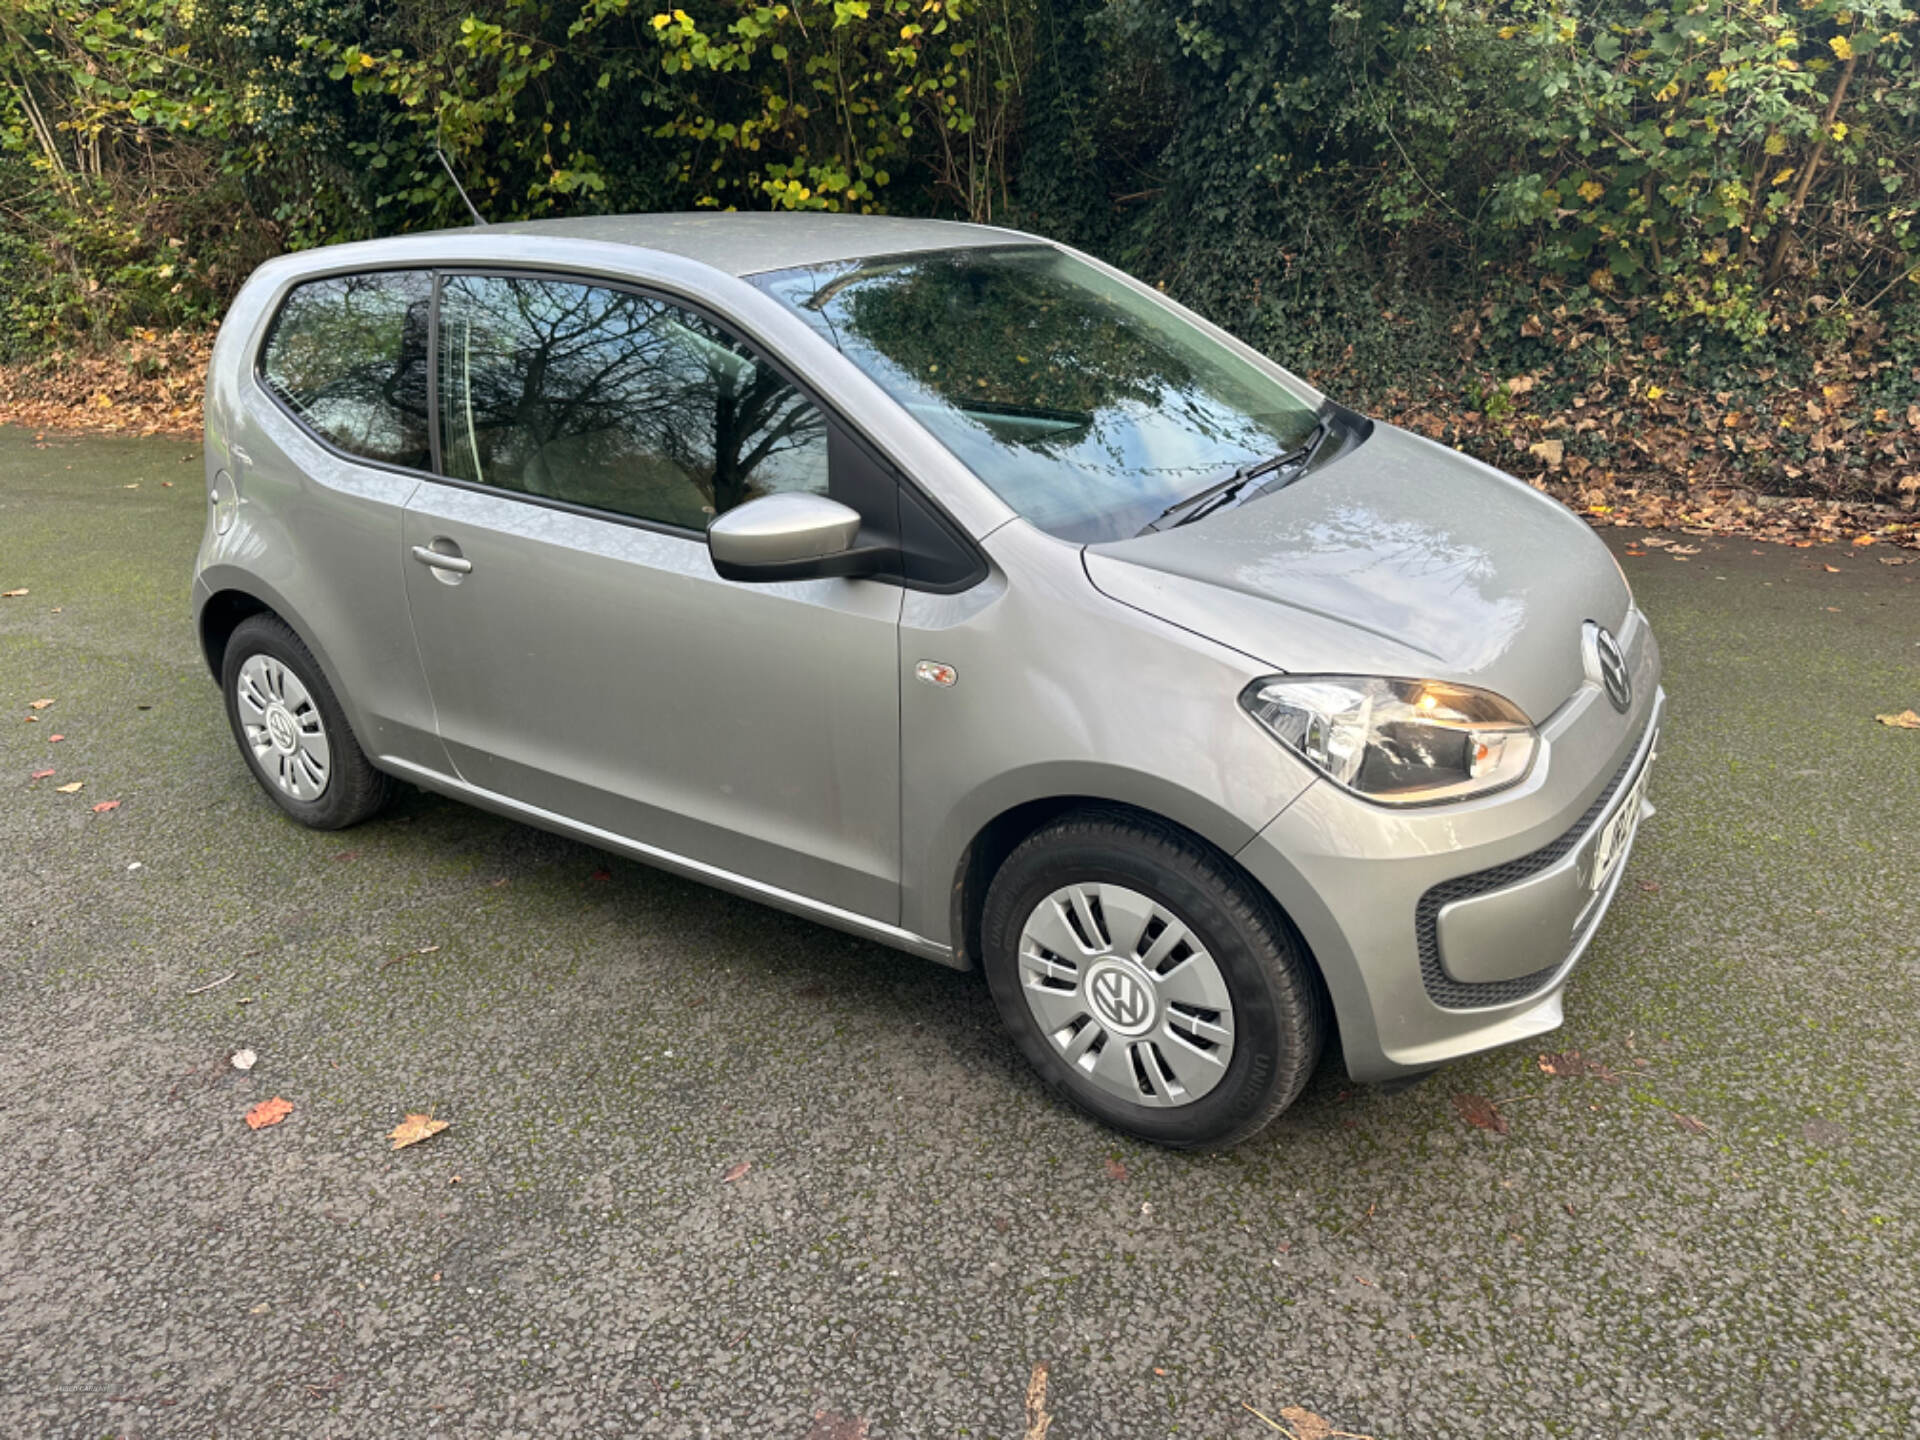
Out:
{"x": 459, "y": 564}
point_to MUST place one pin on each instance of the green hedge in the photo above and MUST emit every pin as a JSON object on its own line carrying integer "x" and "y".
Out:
{"x": 1740, "y": 173}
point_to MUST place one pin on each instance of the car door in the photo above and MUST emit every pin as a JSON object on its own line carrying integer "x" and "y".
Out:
{"x": 582, "y": 655}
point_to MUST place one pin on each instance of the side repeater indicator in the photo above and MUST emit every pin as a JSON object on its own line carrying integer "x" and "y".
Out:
{"x": 934, "y": 673}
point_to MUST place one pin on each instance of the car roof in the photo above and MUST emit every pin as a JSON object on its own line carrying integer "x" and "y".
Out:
{"x": 747, "y": 242}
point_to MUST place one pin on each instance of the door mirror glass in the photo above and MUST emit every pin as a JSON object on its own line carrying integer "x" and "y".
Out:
{"x": 789, "y": 536}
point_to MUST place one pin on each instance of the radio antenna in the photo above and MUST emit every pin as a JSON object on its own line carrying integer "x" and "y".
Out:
{"x": 444, "y": 165}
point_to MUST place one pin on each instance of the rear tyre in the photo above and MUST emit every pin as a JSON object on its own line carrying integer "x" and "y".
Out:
{"x": 1149, "y": 981}
{"x": 292, "y": 731}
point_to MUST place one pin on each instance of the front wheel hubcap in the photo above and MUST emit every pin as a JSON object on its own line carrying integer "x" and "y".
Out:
{"x": 283, "y": 728}
{"x": 1127, "y": 994}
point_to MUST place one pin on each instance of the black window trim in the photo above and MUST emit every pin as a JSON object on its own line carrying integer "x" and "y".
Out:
{"x": 762, "y": 354}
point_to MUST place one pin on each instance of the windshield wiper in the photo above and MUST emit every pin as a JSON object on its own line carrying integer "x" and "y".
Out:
{"x": 1225, "y": 491}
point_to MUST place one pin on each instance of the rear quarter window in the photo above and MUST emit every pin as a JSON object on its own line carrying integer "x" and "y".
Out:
{"x": 348, "y": 355}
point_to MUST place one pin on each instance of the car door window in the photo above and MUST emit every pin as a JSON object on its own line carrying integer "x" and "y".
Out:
{"x": 348, "y": 355}
{"x": 604, "y": 398}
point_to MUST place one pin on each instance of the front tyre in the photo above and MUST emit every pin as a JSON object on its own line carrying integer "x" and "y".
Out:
{"x": 291, "y": 729}
{"x": 1149, "y": 980}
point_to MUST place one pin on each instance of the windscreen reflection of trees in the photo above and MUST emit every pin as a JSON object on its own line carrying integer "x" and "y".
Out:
{"x": 614, "y": 400}
{"x": 1084, "y": 406}
{"x": 350, "y": 355}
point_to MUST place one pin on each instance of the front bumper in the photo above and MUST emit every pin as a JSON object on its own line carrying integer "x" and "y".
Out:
{"x": 1450, "y": 930}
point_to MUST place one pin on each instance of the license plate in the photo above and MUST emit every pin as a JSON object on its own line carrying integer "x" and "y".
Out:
{"x": 1617, "y": 835}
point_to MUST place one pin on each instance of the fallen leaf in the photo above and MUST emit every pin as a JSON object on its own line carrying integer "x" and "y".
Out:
{"x": 1115, "y": 1170}
{"x": 1689, "y": 1124}
{"x": 41, "y": 774}
{"x": 268, "y": 1112}
{"x": 1905, "y": 720}
{"x": 1652, "y": 887}
{"x": 601, "y": 875}
{"x": 39, "y": 704}
{"x": 1302, "y": 1424}
{"x": 736, "y": 1172}
{"x": 1863, "y": 539}
{"x": 1478, "y": 1110}
{"x": 1038, "y": 1420}
{"x": 1831, "y": 569}
{"x": 827, "y": 1425}
{"x": 106, "y": 805}
{"x": 55, "y": 739}
{"x": 1683, "y": 550}
{"x": 242, "y": 1059}
{"x": 70, "y": 789}
{"x": 1551, "y": 451}
{"x": 11, "y": 594}
{"x": 414, "y": 1129}
{"x": 1569, "y": 1063}
{"x": 1520, "y": 384}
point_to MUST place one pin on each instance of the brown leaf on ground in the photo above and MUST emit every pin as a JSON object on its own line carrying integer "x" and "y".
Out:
{"x": 414, "y": 1129}
{"x": 1566, "y": 1064}
{"x": 1905, "y": 720}
{"x": 1689, "y": 1124}
{"x": 1303, "y": 1424}
{"x": 106, "y": 805}
{"x": 39, "y": 704}
{"x": 1038, "y": 1420}
{"x": 41, "y": 774}
{"x": 829, "y": 1426}
{"x": 1115, "y": 1170}
{"x": 268, "y": 1112}
{"x": 11, "y": 594}
{"x": 736, "y": 1172}
{"x": 1479, "y": 1111}
{"x": 55, "y": 739}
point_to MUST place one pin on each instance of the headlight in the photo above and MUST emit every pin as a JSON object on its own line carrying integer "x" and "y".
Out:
{"x": 1401, "y": 742}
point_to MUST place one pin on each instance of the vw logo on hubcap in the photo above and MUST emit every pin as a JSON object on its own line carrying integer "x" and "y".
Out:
{"x": 281, "y": 729}
{"x": 1121, "y": 999}
{"x": 1607, "y": 665}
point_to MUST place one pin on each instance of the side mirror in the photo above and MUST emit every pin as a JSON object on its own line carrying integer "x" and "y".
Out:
{"x": 790, "y": 535}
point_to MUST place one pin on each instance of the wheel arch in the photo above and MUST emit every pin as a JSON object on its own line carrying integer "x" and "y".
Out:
{"x": 1005, "y": 831}
{"x": 226, "y": 600}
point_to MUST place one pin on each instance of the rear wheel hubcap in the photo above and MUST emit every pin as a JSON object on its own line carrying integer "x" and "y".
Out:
{"x": 1127, "y": 994}
{"x": 283, "y": 728}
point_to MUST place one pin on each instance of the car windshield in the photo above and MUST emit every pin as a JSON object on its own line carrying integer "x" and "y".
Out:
{"x": 1086, "y": 406}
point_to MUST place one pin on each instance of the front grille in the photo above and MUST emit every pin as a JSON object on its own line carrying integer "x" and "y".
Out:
{"x": 1451, "y": 994}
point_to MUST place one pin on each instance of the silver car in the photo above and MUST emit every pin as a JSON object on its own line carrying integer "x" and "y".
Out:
{"x": 947, "y": 586}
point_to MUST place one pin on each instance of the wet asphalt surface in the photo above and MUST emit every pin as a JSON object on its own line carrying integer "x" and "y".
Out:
{"x": 1717, "y": 1233}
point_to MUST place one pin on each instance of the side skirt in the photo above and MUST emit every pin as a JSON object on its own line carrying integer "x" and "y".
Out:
{"x": 742, "y": 885}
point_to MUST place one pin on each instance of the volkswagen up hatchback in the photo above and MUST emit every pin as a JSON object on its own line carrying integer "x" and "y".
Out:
{"x": 940, "y": 584}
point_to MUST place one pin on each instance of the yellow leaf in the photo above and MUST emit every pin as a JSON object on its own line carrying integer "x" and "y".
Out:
{"x": 414, "y": 1129}
{"x": 1654, "y": 392}
{"x": 1716, "y": 81}
{"x": 1905, "y": 720}
{"x": 1784, "y": 176}
{"x": 1776, "y": 144}
{"x": 1842, "y": 47}
{"x": 660, "y": 22}
{"x": 1838, "y": 130}
{"x": 70, "y": 789}
{"x": 1592, "y": 191}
